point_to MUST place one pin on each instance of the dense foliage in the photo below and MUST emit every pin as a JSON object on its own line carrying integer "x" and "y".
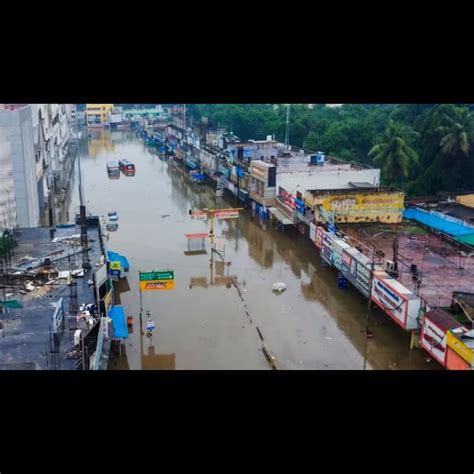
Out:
{"x": 421, "y": 148}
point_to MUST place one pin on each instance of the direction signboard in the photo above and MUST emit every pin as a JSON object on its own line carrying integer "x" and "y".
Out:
{"x": 199, "y": 215}
{"x": 161, "y": 280}
{"x": 226, "y": 214}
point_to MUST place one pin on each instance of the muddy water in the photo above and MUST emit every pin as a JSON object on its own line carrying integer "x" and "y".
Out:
{"x": 204, "y": 324}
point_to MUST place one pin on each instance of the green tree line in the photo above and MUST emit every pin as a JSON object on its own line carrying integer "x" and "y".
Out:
{"x": 421, "y": 148}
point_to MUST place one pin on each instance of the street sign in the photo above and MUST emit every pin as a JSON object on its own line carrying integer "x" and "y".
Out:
{"x": 199, "y": 215}
{"x": 150, "y": 325}
{"x": 161, "y": 275}
{"x": 161, "y": 280}
{"x": 226, "y": 214}
{"x": 157, "y": 285}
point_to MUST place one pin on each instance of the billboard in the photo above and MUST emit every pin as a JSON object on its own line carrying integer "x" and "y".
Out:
{"x": 396, "y": 300}
{"x": 356, "y": 207}
{"x": 433, "y": 340}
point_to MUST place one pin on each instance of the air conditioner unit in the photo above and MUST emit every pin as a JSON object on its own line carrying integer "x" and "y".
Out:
{"x": 390, "y": 266}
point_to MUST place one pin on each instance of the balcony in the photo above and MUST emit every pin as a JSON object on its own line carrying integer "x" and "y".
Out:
{"x": 261, "y": 200}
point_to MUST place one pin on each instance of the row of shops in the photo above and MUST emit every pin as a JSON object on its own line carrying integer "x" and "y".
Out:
{"x": 316, "y": 200}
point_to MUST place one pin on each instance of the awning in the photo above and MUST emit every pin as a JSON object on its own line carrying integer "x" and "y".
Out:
{"x": 280, "y": 216}
{"x": 114, "y": 257}
{"x": 119, "y": 323}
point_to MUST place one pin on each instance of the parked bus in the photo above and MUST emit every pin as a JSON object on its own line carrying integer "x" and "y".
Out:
{"x": 113, "y": 169}
{"x": 127, "y": 167}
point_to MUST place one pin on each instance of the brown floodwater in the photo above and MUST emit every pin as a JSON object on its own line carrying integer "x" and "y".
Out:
{"x": 203, "y": 323}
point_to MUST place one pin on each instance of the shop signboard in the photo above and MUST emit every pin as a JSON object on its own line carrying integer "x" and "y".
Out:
{"x": 116, "y": 265}
{"x": 433, "y": 340}
{"x": 338, "y": 247}
{"x": 454, "y": 362}
{"x": 300, "y": 207}
{"x": 312, "y": 232}
{"x": 326, "y": 247}
{"x": 396, "y": 300}
{"x": 459, "y": 347}
{"x": 115, "y": 274}
{"x": 108, "y": 300}
{"x": 318, "y": 241}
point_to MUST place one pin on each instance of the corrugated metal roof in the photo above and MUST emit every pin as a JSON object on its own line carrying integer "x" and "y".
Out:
{"x": 442, "y": 319}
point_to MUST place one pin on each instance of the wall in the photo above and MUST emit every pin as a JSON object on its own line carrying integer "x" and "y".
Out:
{"x": 321, "y": 179}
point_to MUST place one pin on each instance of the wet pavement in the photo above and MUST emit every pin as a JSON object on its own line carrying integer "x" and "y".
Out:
{"x": 202, "y": 323}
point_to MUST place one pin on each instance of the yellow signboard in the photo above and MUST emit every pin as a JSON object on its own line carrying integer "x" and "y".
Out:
{"x": 354, "y": 207}
{"x": 115, "y": 265}
{"x": 108, "y": 299}
{"x": 459, "y": 347}
{"x": 157, "y": 285}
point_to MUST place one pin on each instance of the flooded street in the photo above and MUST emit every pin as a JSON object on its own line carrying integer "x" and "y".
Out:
{"x": 202, "y": 324}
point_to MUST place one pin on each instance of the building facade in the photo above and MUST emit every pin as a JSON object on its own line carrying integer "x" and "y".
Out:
{"x": 98, "y": 114}
{"x": 21, "y": 173}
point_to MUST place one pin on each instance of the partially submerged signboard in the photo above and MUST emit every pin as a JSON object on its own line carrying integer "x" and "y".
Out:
{"x": 434, "y": 333}
{"x": 161, "y": 280}
{"x": 396, "y": 300}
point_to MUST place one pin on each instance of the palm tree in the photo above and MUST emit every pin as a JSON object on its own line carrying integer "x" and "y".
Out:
{"x": 456, "y": 132}
{"x": 394, "y": 153}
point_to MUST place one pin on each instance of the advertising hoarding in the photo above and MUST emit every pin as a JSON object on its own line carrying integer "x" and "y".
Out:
{"x": 396, "y": 300}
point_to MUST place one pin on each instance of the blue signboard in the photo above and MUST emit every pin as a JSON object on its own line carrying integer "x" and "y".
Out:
{"x": 115, "y": 273}
{"x": 300, "y": 206}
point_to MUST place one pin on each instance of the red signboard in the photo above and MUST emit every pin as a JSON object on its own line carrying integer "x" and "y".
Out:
{"x": 197, "y": 236}
{"x": 287, "y": 198}
{"x": 226, "y": 214}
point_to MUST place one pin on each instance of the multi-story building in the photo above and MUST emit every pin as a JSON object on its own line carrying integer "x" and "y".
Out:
{"x": 98, "y": 114}
{"x": 21, "y": 170}
{"x": 34, "y": 152}
{"x": 264, "y": 150}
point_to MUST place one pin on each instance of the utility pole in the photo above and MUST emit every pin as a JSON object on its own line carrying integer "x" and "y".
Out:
{"x": 369, "y": 305}
{"x": 82, "y": 210}
{"x": 287, "y": 132}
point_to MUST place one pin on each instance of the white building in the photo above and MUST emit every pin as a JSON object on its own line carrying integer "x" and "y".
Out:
{"x": 20, "y": 172}
{"x": 34, "y": 141}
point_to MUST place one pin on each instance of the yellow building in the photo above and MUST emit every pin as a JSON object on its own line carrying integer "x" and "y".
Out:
{"x": 357, "y": 205}
{"x": 98, "y": 114}
{"x": 466, "y": 200}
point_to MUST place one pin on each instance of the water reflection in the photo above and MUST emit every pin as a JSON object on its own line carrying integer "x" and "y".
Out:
{"x": 312, "y": 325}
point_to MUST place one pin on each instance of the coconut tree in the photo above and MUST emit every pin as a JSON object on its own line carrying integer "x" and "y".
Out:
{"x": 394, "y": 154}
{"x": 457, "y": 133}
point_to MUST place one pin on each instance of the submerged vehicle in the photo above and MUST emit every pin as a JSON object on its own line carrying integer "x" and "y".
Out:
{"x": 127, "y": 167}
{"x": 111, "y": 227}
{"x": 113, "y": 216}
{"x": 113, "y": 169}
